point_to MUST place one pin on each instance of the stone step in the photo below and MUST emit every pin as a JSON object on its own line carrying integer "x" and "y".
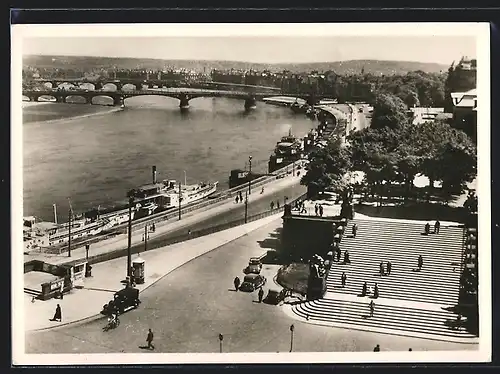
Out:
{"x": 397, "y": 273}
{"x": 388, "y": 317}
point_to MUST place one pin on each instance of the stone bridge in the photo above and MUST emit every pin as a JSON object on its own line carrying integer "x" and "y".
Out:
{"x": 184, "y": 95}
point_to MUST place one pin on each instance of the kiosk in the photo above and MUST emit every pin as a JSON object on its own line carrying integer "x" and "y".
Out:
{"x": 138, "y": 265}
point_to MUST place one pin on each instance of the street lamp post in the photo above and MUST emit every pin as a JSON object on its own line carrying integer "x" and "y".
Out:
{"x": 180, "y": 199}
{"x": 129, "y": 247}
{"x": 249, "y": 174}
{"x": 69, "y": 233}
{"x": 146, "y": 237}
{"x": 246, "y": 207}
{"x": 292, "y": 327}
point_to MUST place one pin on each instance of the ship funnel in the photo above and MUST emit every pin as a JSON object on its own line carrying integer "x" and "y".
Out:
{"x": 55, "y": 213}
{"x": 154, "y": 174}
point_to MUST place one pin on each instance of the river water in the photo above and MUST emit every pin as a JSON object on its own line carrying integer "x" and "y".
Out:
{"x": 95, "y": 159}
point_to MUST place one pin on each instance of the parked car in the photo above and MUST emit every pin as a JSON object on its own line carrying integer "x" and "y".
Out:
{"x": 275, "y": 296}
{"x": 252, "y": 282}
{"x": 254, "y": 265}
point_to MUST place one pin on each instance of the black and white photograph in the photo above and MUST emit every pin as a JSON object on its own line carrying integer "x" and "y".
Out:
{"x": 250, "y": 193}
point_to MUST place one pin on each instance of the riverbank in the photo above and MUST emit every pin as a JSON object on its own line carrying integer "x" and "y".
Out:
{"x": 51, "y": 112}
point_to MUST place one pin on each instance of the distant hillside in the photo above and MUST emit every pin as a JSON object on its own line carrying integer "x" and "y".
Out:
{"x": 340, "y": 67}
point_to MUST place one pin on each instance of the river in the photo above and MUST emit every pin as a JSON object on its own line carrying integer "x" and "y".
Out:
{"x": 95, "y": 154}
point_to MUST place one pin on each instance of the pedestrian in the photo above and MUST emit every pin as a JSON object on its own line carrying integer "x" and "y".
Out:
{"x": 437, "y": 225}
{"x": 277, "y": 204}
{"x": 372, "y": 308}
{"x": 381, "y": 268}
{"x": 354, "y": 230}
{"x": 272, "y": 205}
{"x": 420, "y": 262}
{"x": 410, "y": 350}
{"x": 389, "y": 267}
{"x": 320, "y": 210}
{"x": 364, "y": 289}
{"x": 237, "y": 199}
{"x": 57, "y": 314}
{"x": 375, "y": 292}
{"x": 343, "y": 279}
{"x": 338, "y": 254}
{"x": 261, "y": 294}
{"x": 427, "y": 228}
{"x": 347, "y": 259}
{"x": 316, "y": 209}
{"x": 377, "y": 348}
{"x": 153, "y": 227}
{"x": 149, "y": 340}
{"x": 241, "y": 196}
{"x": 236, "y": 283}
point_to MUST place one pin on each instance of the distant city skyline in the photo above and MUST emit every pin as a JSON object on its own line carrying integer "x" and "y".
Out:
{"x": 261, "y": 49}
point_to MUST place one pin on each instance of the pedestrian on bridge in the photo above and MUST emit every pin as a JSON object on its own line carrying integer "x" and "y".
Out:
{"x": 372, "y": 308}
{"x": 261, "y": 294}
{"x": 343, "y": 279}
{"x": 437, "y": 225}
{"x": 236, "y": 283}
{"x": 420, "y": 262}
{"x": 389, "y": 267}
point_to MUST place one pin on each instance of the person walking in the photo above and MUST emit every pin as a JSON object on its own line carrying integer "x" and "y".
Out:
{"x": 377, "y": 348}
{"x": 381, "y": 268}
{"x": 320, "y": 210}
{"x": 427, "y": 228}
{"x": 343, "y": 279}
{"x": 272, "y": 205}
{"x": 149, "y": 340}
{"x": 277, "y": 204}
{"x": 420, "y": 262}
{"x": 389, "y": 267}
{"x": 236, "y": 283}
{"x": 354, "y": 230}
{"x": 437, "y": 225}
{"x": 316, "y": 209}
{"x": 237, "y": 199}
{"x": 261, "y": 294}
{"x": 347, "y": 259}
{"x": 364, "y": 289}
{"x": 375, "y": 292}
{"x": 372, "y": 308}
{"x": 58, "y": 314}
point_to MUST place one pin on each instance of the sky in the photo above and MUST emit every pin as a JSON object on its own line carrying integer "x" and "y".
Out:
{"x": 266, "y": 49}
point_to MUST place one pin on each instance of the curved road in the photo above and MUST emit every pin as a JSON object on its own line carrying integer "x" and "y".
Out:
{"x": 188, "y": 308}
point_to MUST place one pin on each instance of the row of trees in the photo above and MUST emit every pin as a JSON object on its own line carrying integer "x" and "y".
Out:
{"x": 392, "y": 152}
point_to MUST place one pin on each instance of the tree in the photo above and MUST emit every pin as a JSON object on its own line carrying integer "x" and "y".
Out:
{"x": 327, "y": 168}
{"x": 389, "y": 111}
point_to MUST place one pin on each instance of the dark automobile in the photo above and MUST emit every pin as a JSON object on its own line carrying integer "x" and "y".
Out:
{"x": 123, "y": 300}
{"x": 252, "y": 282}
{"x": 275, "y": 296}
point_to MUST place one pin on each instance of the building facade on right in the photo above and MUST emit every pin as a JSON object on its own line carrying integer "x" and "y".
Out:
{"x": 465, "y": 112}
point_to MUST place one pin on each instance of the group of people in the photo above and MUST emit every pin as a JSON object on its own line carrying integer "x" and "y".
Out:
{"x": 277, "y": 204}
{"x": 377, "y": 348}
{"x": 318, "y": 210}
{"x": 239, "y": 197}
{"x": 387, "y": 270}
{"x": 437, "y": 226}
{"x": 372, "y": 290}
{"x": 237, "y": 283}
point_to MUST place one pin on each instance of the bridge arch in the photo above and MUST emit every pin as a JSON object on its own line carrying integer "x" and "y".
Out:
{"x": 66, "y": 85}
{"x": 130, "y": 87}
{"x": 76, "y": 99}
{"x": 48, "y": 85}
{"x": 26, "y": 98}
{"x": 109, "y": 86}
{"x": 47, "y": 98}
{"x": 102, "y": 100}
{"x": 87, "y": 86}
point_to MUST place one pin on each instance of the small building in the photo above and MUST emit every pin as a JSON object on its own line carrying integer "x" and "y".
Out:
{"x": 422, "y": 114}
{"x": 465, "y": 112}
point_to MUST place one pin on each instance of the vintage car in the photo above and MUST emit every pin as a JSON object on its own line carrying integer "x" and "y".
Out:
{"x": 275, "y": 296}
{"x": 123, "y": 300}
{"x": 254, "y": 266}
{"x": 252, "y": 282}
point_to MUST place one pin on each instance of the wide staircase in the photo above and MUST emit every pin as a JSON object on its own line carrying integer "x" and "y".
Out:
{"x": 411, "y": 301}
